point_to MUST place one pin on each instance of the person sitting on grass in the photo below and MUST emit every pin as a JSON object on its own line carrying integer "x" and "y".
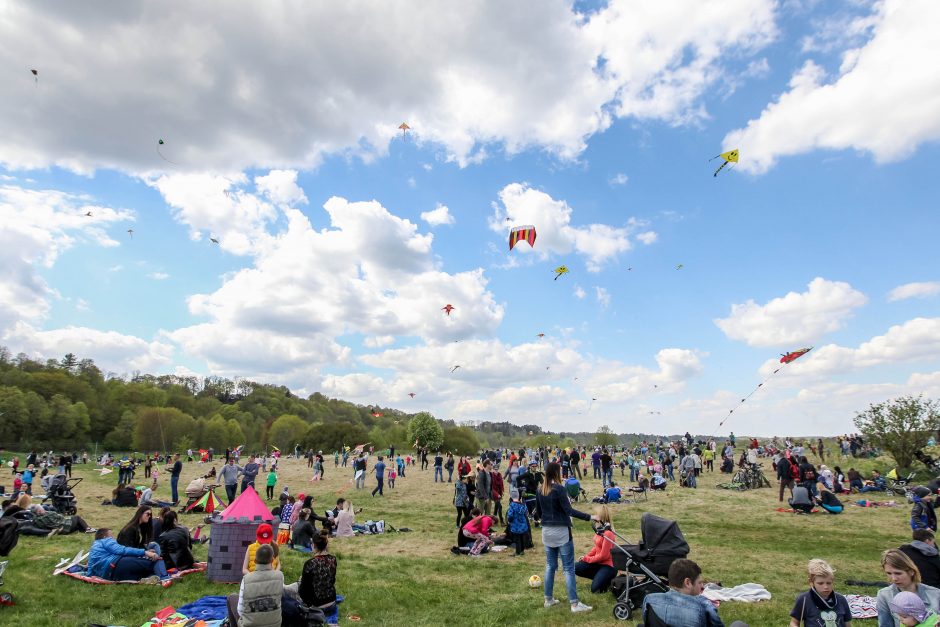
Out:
{"x": 317, "y": 584}
{"x": 124, "y": 496}
{"x": 303, "y": 531}
{"x": 613, "y": 493}
{"x": 904, "y": 577}
{"x": 176, "y": 545}
{"x": 345, "y": 520}
{"x": 683, "y": 605}
{"x": 258, "y": 601}
{"x": 598, "y": 565}
{"x": 877, "y": 483}
{"x": 801, "y": 502}
{"x": 820, "y": 605}
{"x": 264, "y": 536}
{"x": 138, "y": 532}
{"x": 829, "y": 501}
{"x": 912, "y": 612}
{"x": 923, "y": 552}
{"x": 113, "y": 561}
{"x": 658, "y": 483}
{"x": 855, "y": 480}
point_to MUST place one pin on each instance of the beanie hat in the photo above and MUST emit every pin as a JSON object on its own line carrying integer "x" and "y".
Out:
{"x": 908, "y": 604}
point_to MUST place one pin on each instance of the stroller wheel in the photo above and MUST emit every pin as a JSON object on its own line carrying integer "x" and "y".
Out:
{"x": 622, "y": 611}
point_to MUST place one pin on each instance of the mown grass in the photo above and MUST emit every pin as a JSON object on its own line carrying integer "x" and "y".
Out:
{"x": 411, "y": 578}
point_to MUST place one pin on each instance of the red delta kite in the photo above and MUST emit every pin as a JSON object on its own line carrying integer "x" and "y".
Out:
{"x": 522, "y": 234}
{"x": 792, "y": 356}
{"x": 448, "y": 308}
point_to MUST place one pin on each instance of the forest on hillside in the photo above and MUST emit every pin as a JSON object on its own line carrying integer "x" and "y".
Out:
{"x": 70, "y": 404}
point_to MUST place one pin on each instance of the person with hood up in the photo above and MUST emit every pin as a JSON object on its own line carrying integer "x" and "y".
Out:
{"x": 923, "y": 552}
{"x": 923, "y": 515}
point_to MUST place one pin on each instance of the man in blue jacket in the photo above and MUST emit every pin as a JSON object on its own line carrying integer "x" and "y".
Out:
{"x": 109, "y": 560}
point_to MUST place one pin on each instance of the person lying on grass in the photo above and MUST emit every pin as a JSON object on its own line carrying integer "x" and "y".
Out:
{"x": 109, "y": 560}
{"x": 820, "y": 605}
{"x": 50, "y": 522}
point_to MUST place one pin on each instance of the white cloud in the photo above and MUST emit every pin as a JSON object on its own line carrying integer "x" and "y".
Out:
{"x": 598, "y": 243}
{"x": 437, "y": 217}
{"x": 280, "y": 187}
{"x": 618, "y": 179}
{"x": 924, "y": 289}
{"x": 378, "y": 341}
{"x": 111, "y": 351}
{"x": 647, "y": 237}
{"x": 579, "y": 293}
{"x": 259, "y": 101}
{"x": 796, "y": 318}
{"x": 82, "y": 305}
{"x": 883, "y": 102}
{"x": 159, "y": 276}
{"x": 602, "y": 295}
{"x": 36, "y": 226}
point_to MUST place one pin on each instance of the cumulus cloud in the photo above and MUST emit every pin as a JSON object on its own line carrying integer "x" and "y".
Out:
{"x": 438, "y": 216}
{"x": 602, "y": 295}
{"x": 111, "y": 351}
{"x": 598, "y": 243}
{"x": 618, "y": 179}
{"x": 796, "y": 318}
{"x": 883, "y": 101}
{"x": 159, "y": 276}
{"x": 924, "y": 289}
{"x": 579, "y": 292}
{"x": 245, "y": 93}
{"x": 36, "y": 227}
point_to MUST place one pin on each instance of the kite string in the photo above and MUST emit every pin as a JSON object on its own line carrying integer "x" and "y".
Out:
{"x": 759, "y": 386}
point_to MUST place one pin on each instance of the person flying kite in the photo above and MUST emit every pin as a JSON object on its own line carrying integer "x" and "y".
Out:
{"x": 522, "y": 234}
{"x": 448, "y": 308}
{"x": 560, "y": 270}
{"x": 730, "y": 157}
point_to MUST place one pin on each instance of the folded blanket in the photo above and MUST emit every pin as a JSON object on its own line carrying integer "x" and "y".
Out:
{"x": 862, "y": 606}
{"x": 745, "y": 592}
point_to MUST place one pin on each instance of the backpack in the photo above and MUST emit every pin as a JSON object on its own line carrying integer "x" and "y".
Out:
{"x": 9, "y": 534}
{"x": 795, "y": 472}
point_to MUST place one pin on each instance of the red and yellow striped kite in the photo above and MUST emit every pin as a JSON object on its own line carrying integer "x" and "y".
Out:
{"x": 522, "y": 234}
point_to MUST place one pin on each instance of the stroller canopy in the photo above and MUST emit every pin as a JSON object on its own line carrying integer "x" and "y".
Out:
{"x": 662, "y": 537}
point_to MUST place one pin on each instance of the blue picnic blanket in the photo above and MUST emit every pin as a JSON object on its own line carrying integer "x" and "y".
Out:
{"x": 206, "y": 608}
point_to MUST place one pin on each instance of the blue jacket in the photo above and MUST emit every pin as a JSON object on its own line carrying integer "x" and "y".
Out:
{"x": 105, "y": 552}
{"x": 555, "y": 509}
{"x": 683, "y": 610}
{"x": 516, "y": 516}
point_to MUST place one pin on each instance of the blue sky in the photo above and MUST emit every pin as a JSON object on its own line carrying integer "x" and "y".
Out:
{"x": 340, "y": 239}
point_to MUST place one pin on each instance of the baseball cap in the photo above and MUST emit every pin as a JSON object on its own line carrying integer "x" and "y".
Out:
{"x": 264, "y": 533}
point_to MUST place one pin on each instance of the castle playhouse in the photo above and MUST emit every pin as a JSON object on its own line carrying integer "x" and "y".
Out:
{"x": 231, "y": 533}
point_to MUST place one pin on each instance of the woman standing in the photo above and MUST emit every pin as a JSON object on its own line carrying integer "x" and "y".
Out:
{"x": 461, "y": 500}
{"x": 555, "y": 511}
{"x": 904, "y": 577}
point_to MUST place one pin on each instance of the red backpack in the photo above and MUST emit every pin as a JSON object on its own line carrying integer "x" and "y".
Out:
{"x": 794, "y": 471}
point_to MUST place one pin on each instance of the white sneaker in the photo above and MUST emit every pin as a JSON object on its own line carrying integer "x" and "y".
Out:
{"x": 550, "y": 602}
{"x": 581, "y": 607}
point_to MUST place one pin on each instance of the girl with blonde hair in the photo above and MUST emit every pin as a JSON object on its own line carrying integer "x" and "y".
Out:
{"x": 598, "y": 564}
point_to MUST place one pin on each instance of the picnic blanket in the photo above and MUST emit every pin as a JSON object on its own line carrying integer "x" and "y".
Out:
{"x": 745, "y": 592}
{"x": 206, "y": 608}
{"x": 790, "y": 510}
{"x": 862, "y": 606}
{"x": 865, "y": 503}
{"x": 79, "y": 574}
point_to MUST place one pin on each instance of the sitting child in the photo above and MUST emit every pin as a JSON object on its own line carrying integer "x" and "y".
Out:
{"x": 911, "y": 610}
{"x": 829, "y": 501}
{"x": 821, "y": 605}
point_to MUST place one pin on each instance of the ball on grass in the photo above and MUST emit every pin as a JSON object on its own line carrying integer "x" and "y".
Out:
{"x": 535, "y": 581}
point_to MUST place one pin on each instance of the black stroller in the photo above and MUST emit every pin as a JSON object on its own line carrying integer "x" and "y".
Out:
{"x": 61, "y": 496}
{"x": 645, "y": 565}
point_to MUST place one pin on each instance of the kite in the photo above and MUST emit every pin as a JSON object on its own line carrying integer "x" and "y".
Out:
{"x": 560, "y": 270}
{"x": 213, "y": 240}
{"x": 591, "y": 404}
{"x": 540, "y": 335}
{"x": 36, "y": 75}
{"x": 730, "y": 157}
{"x": 680, "y": 266}
{"x": 88, "y": 215}
{"x": 160, "y": 142}
{"x": 785, "y": 359}
{"x": 656, "y": 413}
{"x": 448, "y": 308}
{"x": 404, "y": 129}
{"x": 131, "y": 233}
{"x": 209, "y": 503}
{"x": 792, "y": 356}
{"x": 522, "y": 234}
{"x": 454, "y": 368}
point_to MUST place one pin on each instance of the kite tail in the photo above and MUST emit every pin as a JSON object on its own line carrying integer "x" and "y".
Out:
{"x": 164, "y": 158}
{"x": 720, "y": 168}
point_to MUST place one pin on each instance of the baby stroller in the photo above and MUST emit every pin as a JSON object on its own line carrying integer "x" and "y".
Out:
{"x": 900, "y": 485}
{"x": 60, "y": 494}
{"x": 646, "y": 565}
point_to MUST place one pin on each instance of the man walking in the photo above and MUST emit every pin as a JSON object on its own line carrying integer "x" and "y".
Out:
{"x": 249, "y": 472}
{"x": 379, "y": 469}
{"x": 438, "y": 467}
{"x": 359, "y": 468}
{"x": 229, "y": 477}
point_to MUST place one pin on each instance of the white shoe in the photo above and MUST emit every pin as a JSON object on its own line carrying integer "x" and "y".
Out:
{"x": 581, "y": 607}
{"x": 550, "y": 602}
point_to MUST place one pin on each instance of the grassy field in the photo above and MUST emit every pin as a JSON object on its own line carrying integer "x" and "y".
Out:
{"x": 412, "y": 578}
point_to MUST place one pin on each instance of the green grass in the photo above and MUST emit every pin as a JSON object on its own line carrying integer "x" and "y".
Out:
{"x": 398, "y": 579}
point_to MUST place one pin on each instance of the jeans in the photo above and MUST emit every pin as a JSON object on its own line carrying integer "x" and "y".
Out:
{"x": 174, "y": 481}
{"x": 634, "y": 475}
{"x": 608, "y": 476}
{"x": 690, "y": 479}
{"x": 498, "y": 510}
{"x": 230, "y": 491}
{"x": 600, "y": 574}
{"x": 811, "y": 488}
{"x": 134, "y": 568}
{"x": 438, "y": 472}
{"x": 378, "y": 487}
{"x": 597, "y": 472}
{"x": 450, "y": 475}
{"x": 269, "y": 491}
{"x": 566, "y": 552}
{"x": 672, "y": 475}
{"x": 361, "y": 481}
